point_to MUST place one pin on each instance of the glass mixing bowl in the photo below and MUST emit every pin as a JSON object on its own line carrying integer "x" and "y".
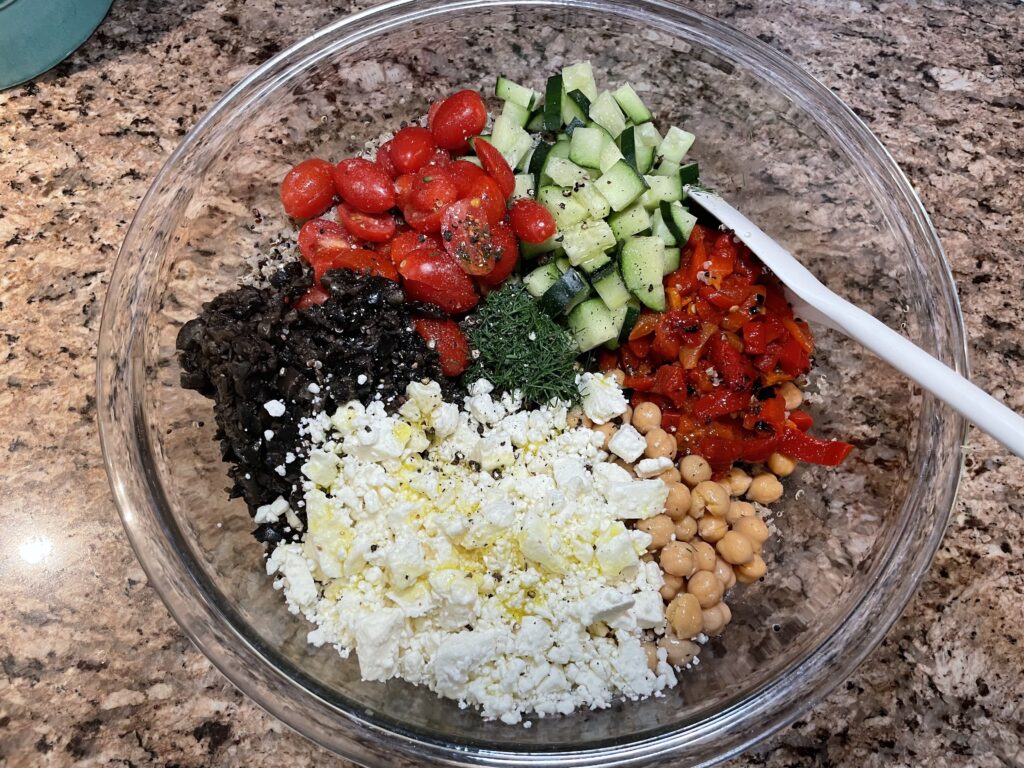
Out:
{"x": 853, "y": 542}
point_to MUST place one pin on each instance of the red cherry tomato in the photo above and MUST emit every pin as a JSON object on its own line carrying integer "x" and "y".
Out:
{"x": 458, "y": 117}
{"x": 435, "y": 277}
{"x": 311, "y": 298}
{"x": 439, "y": 158}
{"x": 411, "y": 148}
{"x": 321, "y": 233}
{"x": 372, "y": 229}
{"x": 308, "y": 189}
{"x": 448, "y": 340}
{"x": 404, "y": 187}
{"x": 433, "y": 189}
{"x": 357, "y": 259}
{"x": 496, "y": 166}
{"x": 531, "y": 221}
{"x": 407, "y": 242}
{"x": 466, "y": 235}
{"x": 486, "y": 190}
{"x": 466, "y": 174}
{"x": 364, "y": 185}
{"x": 385, "y": 161}
{"x": 432, "y": 112}
{"x": 506, "y": 255}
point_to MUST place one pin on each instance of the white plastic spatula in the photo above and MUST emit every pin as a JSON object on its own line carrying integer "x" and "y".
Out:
{"x": 813, "y": 301}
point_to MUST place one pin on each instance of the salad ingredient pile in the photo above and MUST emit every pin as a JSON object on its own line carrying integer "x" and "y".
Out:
{"x": 509, "y": 424}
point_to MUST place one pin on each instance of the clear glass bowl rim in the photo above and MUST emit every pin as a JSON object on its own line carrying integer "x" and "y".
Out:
{"x": 352, "y": 735}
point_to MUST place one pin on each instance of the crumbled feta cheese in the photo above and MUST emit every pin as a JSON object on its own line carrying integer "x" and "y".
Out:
{"x": 627, "y": 443}
{"x": 602, "y": 398}
{"x": 275, "y": 408}
{"x": 652, "y": 467}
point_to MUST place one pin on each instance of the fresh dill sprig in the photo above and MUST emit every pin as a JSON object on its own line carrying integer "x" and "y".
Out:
{"x": 518, "y": 347}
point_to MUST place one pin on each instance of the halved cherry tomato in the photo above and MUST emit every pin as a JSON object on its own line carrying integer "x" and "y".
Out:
{"x": 458, "y": 117}
{"x": 435, "y": 277}
{"x": 311, "y": 298}
{"x": 466, "y": 235}
{"x": 531, "y": 221}
{"x": 486, "y": 190}
{"x": 448, "y": 340}
{"x": 465, "y": 174}
{"x": 385, "y": 161}
{"x": 409, "y": 241}
{"x": 496, "y": 166}
{"x": 411, "y": 148}
{"x": 365, "y": 226}
{"x": 357, "y": 259}
{"x": 322, "y": 233}
{"x": 308, "y": 189}
{"x": 364, "y": 185}
{"x": 506, "y": 254}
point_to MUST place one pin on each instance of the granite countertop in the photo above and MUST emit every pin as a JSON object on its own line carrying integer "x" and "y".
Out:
{"x": 94, "y": 670}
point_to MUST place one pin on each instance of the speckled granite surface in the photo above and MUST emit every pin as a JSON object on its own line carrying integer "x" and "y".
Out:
{"x": 95, "y": 672}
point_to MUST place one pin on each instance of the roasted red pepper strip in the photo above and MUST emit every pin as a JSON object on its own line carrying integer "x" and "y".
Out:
{"x": 719, "y": 404}
{"x": 803, "y": 447}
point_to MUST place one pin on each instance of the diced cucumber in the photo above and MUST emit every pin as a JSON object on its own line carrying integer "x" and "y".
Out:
{"x": 510, "y": 91}
{"x": 676, "y": 144}
{"x": 661, "y": 189}
{"x": 678, "y": 220}
{"x": 533, "y": 250}
{"x": 636, "y": 154}
{"x": 571, "y": 110}
{"x": 608, "y": 284}
{"x": 633, "y": 311}
{"x": 592, "y": 323}
{"x": 630, "y": 103}
{"x": 673, "y": 258}
{"x": 586, "y": 145}
{"x": 586, "y": 238}
{"x": 648, "y": 135}
{"x": 510, "y": 139}
{"x": 573, "y": 125}
{"x": 524, "y": 162}
{"x": 564, "y": 172}
{"x": 563, "y": 264}
{"x": 629, "y": 222}
{"x": 517, "y": 114}
{"x": 580, "y": 76}
{"x": 605, "y": 112}
{"x": 667, "y": 168}
{"x": 595, "y": 262}
{"x": 536, "y": 124}
{"x": 587, "y": 194}
{"x": 610, "y": 155}
{"x": 553, "y": 103}
{"x": 537, "y": 160}
{"x": 642, "y": 264}
{"x": 660, "y": 228}
{"x": 689, "y": 173}
{"x": 565, "y": 208}
{"x": 621, "y": 185}
{"x": 568, "y": 291}
{"x": 524, "y": 186}
{"x": 580, "y": 98}
{"x": 542, "y": 278}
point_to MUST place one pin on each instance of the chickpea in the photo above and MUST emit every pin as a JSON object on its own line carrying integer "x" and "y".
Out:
{"x": 715, "y": 619}
{"x": 618, "y": 375}
{"x": 671, "y": 587}
{"x": 647, "y": 557}
{"x": 737, "y": 481}
{"x": 660, "y": 444}
{"x": 712, "y": 528}
{"x": 694, "y": 469}
{"x": 792, "y": 395}
{"x": 677, "y": 558}
{"x": 651, "y": 651}
{"x": 678, "y": 502}
{"x": 725, "y": 574}
{"x": 735, "y": 548}
{"x": 781, "y": 464}
{"x": 661, "y": 528}
{"x": 587, "y": 422}
{"x": 751, "y": 571}
{"x": 753, "y": 528}
{"x": 706, "y": 588}
{"x": 608, "y": 430}
{"x": 627, "y": 417}
{"x": 684, "y": 616}
{"x": 686, "y": 529}
{"x": 738, "y": 509}
{"x": 680, "y": 652}
{"x": 764, "y": 489}
{"x": 710, "y": 497}
{"x": 573, "y": 418}
{"x": 704, "y": 556}
{"x": 670, "y": 475}
{"x": 646, "y": 417}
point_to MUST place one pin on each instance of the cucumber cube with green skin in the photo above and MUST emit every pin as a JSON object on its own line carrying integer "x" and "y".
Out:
{"x": 587, "y": 144}
{"x": 532, "y": 250}
{"x": 631, "y": 104}
{"x": 661, "y": 189}
{"x": 621, "y": 185}
{"x": 610, "y": 155}
{"x": 566, "y": 210}
{"x": 564, "y": 172}
{"x": 648, "y": 135}
{"x": 517, "y": 114}
{"x": 587, "y": 238}
{"x": 524, "y": 187}
{"x": 673, "y": 258}
{"x": 660, "y": 228}
{"x": 592, "y": 323}
{"x": 605, "y": 112}
{"x": 594, "y": 201}
{"x": 510, "y": 91}
{"x": 610, "y": 287}
{"x": 667, "y": 168}
{"x": 642, "y": 261}
{"x": 679, "y": 221}
{"x": 580, "y": 76}
{"x": 676, "y": 144}
{"x": 542, "y": 278}
{"x": 629, "y": 222}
